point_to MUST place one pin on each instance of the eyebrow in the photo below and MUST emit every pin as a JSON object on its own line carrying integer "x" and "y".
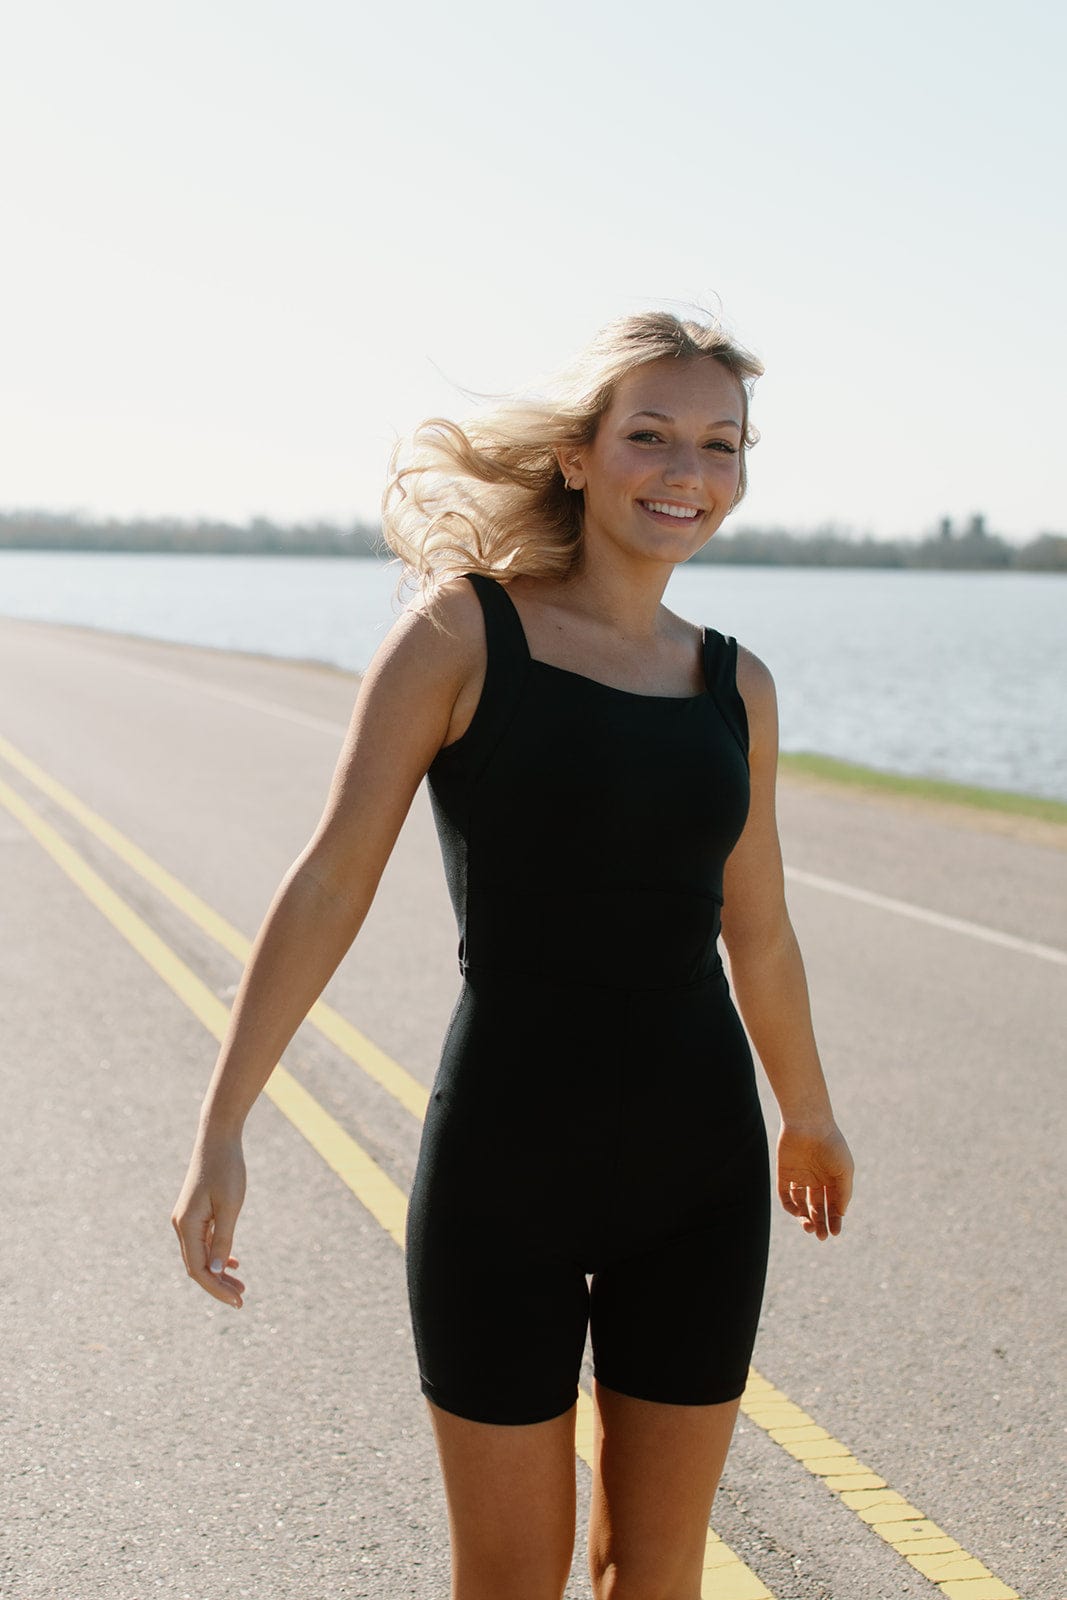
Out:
{"x": 661, "y": 416}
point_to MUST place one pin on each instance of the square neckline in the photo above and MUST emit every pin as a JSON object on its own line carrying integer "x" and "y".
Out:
{"x": 631, "y": 694}
{"x": 598, "y": 683}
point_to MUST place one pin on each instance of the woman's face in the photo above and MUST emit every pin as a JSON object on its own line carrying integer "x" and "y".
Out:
{"x": 663, "y": 469}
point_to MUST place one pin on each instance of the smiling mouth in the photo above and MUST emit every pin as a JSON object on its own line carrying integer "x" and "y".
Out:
{"x": 663, "y": 508}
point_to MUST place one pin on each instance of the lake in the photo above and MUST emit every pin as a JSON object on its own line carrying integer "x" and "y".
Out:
{"x": 937, "y": 674}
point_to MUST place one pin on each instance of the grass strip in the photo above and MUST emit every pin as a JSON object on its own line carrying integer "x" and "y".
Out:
{"x": 805, "y": 763}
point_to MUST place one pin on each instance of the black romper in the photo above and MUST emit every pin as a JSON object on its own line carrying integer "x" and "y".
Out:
{"x": 595, "y": 1114}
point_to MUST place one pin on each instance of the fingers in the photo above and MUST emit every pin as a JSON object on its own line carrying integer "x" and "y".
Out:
{"x": 835, "y": 1209}
{"x": 838, "y": 1196}
{"x": 814, "y": 1205}
{"x": 818, "y": 1215}
{"x": 226, "y": 1279}
{"x": 205, "y": 1243}
{"x": 217, "y": 1257}
{"x": 221, "y": 1244}
{"x": 814, "y": 1177}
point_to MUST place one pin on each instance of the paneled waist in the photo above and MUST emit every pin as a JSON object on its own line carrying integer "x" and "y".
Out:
{"x": 619, "y": 938}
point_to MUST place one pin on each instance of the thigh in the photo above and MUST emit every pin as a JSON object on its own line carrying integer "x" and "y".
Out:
{"x": 511, "y": 1506}
{"x": 496, "y": 1281}
{"x": 499, "y": 1335}
{"x": 656, "y": 1469}
{"x": 675, "y": 1319}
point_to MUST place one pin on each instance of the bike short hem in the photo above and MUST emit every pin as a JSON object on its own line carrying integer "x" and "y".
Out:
{"x": 666, "y": 1395}
{"x": 498, "y": 1413}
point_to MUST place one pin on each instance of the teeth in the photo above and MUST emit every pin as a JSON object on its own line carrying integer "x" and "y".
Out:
{"x": 686, "y": 513}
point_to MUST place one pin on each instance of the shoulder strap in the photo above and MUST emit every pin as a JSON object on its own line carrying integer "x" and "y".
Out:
{"x": 506, "y": 670}
{"x": 503, "y": 630}
{"x": 720, "y": 674}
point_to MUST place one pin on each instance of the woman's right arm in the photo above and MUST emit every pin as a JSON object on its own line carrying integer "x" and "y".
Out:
{"x": 416, "y": 695}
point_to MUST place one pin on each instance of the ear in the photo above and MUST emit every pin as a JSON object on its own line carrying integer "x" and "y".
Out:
{"x": 570, "y": 464}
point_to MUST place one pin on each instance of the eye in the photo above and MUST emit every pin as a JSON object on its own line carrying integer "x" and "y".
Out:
{"x": 648, "y": 433}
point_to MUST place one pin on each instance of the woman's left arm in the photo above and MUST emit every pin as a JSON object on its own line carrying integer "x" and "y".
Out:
{"x": 767, "y": 973}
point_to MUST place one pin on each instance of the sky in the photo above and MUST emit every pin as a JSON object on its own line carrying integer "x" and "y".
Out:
{"x": 246, "y": 246}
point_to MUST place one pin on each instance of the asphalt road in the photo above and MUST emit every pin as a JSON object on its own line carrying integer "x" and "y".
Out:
{"x": 156, "y": 1443}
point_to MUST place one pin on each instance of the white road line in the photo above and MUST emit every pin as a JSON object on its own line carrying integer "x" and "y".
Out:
{"x": 811, "y": 880}
{"x": 238, "y": 697}
{"x": 936, "y": 919}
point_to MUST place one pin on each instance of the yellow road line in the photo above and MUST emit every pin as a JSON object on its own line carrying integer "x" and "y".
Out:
{"x": 921, "y": 1542}
{"x": 373, "y": 1187}
{"x": 392, "y": 1077}
{"x": 928, "y": 1548}
{"x": 726, "y": 1577}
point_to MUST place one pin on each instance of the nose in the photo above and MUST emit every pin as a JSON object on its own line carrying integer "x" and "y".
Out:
{"x": 683, "y": 466}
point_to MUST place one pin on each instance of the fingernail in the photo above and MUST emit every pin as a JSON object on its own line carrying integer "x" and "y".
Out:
{"x": 216, "y": 1266}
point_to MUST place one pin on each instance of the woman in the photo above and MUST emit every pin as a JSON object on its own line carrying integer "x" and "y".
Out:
{"x": 602, "y": 774}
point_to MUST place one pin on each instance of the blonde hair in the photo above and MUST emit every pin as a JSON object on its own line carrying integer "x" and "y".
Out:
{"x": 487, "y": 495}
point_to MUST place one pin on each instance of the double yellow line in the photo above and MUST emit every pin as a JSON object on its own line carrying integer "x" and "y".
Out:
{"x": 726, "y": 1577}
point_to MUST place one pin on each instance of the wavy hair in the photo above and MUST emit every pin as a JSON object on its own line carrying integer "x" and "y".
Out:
{"x": 487, "y": 495}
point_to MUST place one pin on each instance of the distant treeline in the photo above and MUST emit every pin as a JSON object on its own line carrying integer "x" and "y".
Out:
{"x": 58, "y": 530}
{"x": 970, "y": 548}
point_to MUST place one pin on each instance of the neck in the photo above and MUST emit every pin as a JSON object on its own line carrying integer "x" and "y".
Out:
{"x": 626, "y": 592}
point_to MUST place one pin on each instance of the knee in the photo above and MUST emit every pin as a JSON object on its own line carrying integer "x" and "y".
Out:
{"x": 613, "y": 1580}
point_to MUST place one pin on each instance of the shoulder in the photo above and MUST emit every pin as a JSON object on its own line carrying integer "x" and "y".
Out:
{"x": 432, "y": 663}
{"x": 753, "y": 676}
{"x": 755, "y": 684}
{"x": 453, "y": 611}
{"x": 441, "y": 633}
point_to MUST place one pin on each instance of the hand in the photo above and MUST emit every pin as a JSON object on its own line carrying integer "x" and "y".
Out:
{"x": 815, "y": 1176}
{"x": 206, "y": 1214}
